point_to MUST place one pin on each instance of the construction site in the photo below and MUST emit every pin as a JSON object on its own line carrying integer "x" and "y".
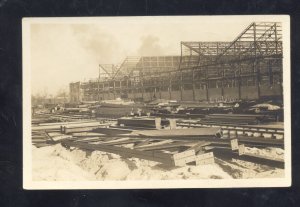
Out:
{"x": 214, "y": 111}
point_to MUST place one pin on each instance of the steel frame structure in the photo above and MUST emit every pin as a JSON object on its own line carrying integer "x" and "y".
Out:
{"x": 253, "y": 59}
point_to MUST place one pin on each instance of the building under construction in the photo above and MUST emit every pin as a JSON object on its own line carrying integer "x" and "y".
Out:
{"x": 248, "y": 68}
{"x": 211, "y": 108}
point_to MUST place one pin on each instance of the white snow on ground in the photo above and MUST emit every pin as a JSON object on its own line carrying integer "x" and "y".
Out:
{"x": 56, "y": 163}
{"x": 268, "y": 152}
{"x": 267, "y": 105}
{"x": 247, "y": 170}
{"x": 50, "y": 164}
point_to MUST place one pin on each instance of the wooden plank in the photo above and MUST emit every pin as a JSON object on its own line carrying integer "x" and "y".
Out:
{"x": 155, "y": 144}
{"x": 199, "y": 145}
{"x": 182, "y": 158}
{"x": 122, "y": 142}
{"x": 206, "y": 132}
{"x": 260, "y": 140}
{"x": 153, "y": 156}
{"x": 62, "y": 137}
{"x": 234, "y": 144}
{"x": 87, "y": 134}
{"x": 119, "y": 141}
{"x": 144, "y": 122}
{"x": 184, "y": 154}
{"x": 168, "y": 146}
{"x": 183, "y": 161}
{"x": 229, "y": 154}
{"x": 172, "y": 123}
{"x": 241, "y": 149}
{"x": 144, "y": 142}
{"x": 89, "y": 139}
{"x": 114, "y": 140}
{"x": 39, "y": 145}
{"x": 110, "y": 138}
{"x": 68, "y": 125}
{"x": 206, "y": 158}
{"x": 68, "y": 130}
{"x": 112, "y": 130}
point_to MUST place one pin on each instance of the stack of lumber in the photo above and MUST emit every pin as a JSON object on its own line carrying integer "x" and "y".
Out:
{"x": 148, "y": 122}
{"x": 58, "y": 125}
{"x": 234, "y": 118}
{"x": 211, "y": 132}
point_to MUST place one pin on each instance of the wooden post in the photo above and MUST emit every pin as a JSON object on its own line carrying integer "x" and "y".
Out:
{"x": 173, "y": 124}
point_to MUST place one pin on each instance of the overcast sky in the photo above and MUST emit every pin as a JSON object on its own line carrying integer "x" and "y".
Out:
{"x": 66, "y": 52}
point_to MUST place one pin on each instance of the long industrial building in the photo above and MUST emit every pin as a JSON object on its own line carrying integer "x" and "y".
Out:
{"x": 248, "y": 68}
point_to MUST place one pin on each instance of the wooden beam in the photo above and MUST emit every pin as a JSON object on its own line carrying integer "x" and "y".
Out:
{"x": 126, "y": 152}
{"x": 167, "y": 146}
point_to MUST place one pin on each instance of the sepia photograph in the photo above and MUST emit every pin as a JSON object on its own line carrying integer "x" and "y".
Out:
{"x": 156, "y": 102}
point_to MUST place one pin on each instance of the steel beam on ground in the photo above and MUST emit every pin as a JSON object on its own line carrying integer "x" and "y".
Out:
{"x": 140, "y": 122}
{"x": 112, "y": 131}
{"x": 148, "y": 155}
{"x": 196, "y": 132}
{"x": 168, "y": 145}
{"x": 227, "y": 153}
{"x": 120, "y": 141}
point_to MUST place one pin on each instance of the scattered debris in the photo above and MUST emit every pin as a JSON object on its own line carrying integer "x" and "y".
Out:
{"x": 140, "y": 148}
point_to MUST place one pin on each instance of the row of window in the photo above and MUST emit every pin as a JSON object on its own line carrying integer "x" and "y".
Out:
{"x": 217, "y": 83}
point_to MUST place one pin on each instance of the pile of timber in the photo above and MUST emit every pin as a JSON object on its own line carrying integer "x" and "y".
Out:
{"x": 71, "y": 117}
{"x": 177, "y": 115}
{"x": 40, "y": 139}
{"x": 170, "y": 159}
{"x": 173, "y": 147}
{"x": 241, "y": 119}
{"x": 148, "y": 122}
{"x": 212, "y": 132}
{"x": 112, "y": 110}
{"x": 60, "y": 126}
{"x": 172, "y": 152}
{"x": 79, "y": 109}
{"x": 265, "y": 135}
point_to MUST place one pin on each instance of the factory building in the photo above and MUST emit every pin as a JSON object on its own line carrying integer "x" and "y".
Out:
{"x": 247, "y": 68}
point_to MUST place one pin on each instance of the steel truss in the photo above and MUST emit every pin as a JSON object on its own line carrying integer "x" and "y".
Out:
{"x": 252, "y": 59}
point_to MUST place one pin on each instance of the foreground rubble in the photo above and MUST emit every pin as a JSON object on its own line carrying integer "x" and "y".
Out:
{"x": 56, "y": 163}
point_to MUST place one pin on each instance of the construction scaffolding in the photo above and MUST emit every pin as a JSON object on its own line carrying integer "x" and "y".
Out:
{"x": 248, "y": 68}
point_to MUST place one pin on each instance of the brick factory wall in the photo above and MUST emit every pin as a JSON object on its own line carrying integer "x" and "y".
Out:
{"x": 249, "y": 92}
{"x": 231, "y": 93}
{"x": 111, "y": 96}
{"x": 101, "y": 96}
{"x": 130, "y": 96}
{"x": 117, "y": 95}
{"x": 214, "y": 93}
{"x": 147, "y": 96}
{"x": 175, "y": 95}
{"x": 187, "y": 95}
{"x": 270, "y": 91}
{"x": 200, "y": 94}
{"x": 105, "y": 97}
{"x": 165, "y": 95}
{"x": 138, "y": 95}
